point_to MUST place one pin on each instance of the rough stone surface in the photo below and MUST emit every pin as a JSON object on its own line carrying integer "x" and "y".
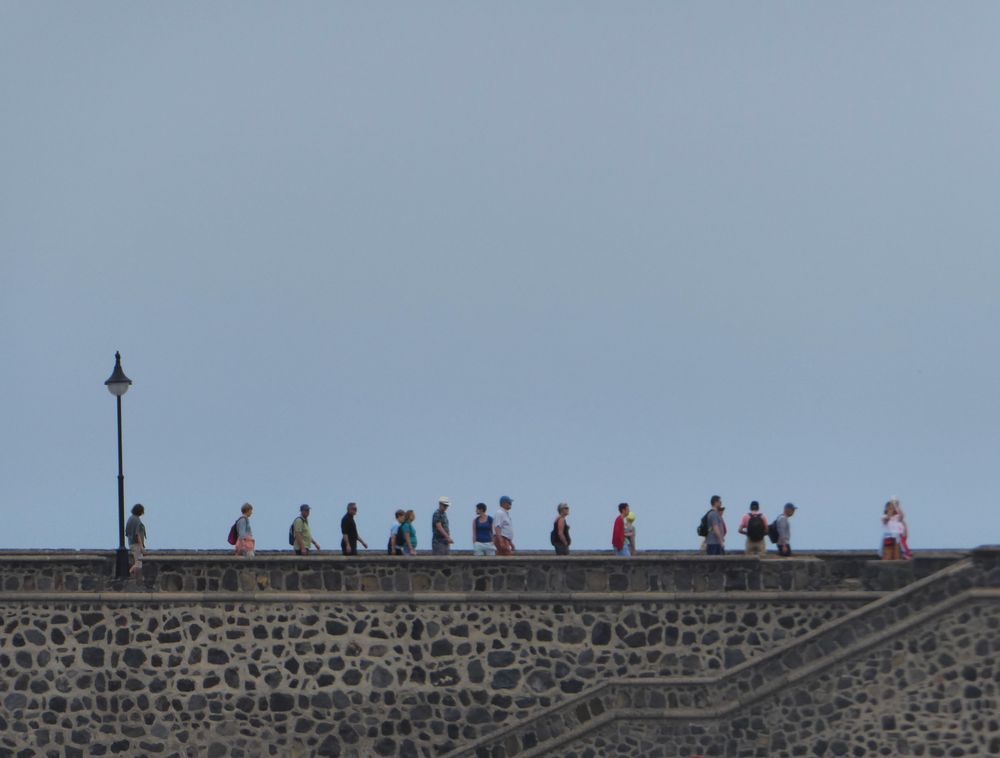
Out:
{"x": 895, "y": 699}
{"x": 366, "y": 674}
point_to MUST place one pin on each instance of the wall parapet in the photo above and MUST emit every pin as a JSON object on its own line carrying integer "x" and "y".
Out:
{"x": 215, "y": 571}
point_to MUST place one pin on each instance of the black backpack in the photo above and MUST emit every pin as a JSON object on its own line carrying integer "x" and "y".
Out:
{"x": 291, "y": 531}
{"x": 703, "y": 524}
{"x": 772, "y": 531}
{"x": 233, "y": 533}
{"x": 755, "y": 528}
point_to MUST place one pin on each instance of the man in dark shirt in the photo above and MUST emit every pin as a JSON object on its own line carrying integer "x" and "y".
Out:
{"x": 349, "y": 542}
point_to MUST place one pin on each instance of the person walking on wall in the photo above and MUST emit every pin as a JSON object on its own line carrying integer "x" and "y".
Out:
{"x": 395, "y": 546}
{"x": 618, "y": 532}
{"x": 754, "y": 527}
{"x": 785, "y": 530}
{"x": 302, "y": 539}
{"x": 409, "y": 534}
{"x": 135, "y": 530}
{"x": 482, "y": 532}
{"x": 440, "y": 534}
{"x": 715, "y": 540}
{"x": 503, "y": 528}
{"x": 904, "y": 537}
{"x": 349, "y": 531}
{"x": 630, "y": 532}
{"x": 245, "y": 543}
{"x": 893, "y": 531}
{"x": 560, "y": 530}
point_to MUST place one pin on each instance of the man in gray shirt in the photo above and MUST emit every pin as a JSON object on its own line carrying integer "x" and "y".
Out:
{"x": 715, "y": 540}
{"x": 785, "y": 529}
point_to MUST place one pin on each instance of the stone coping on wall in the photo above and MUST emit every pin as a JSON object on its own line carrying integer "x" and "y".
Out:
{"x": 444, "y": 598}
{"x": 278, "y": 572}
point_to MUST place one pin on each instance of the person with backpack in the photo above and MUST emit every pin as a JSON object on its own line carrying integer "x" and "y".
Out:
{"x": 241, "y": 535}
{"x": 754, "y": 527}
{"x": 560, "y": 530}
{"x": 783, "y": 530}
{"x": 300, "y": 533}
{"x": 715, "y": 528}
{"x": 395, "y": 546}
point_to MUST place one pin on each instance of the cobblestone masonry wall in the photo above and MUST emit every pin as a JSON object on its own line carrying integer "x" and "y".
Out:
{"x": 342, "y": 678}
{"x": 932, "y": 691}
{"x": 413, "y": 658}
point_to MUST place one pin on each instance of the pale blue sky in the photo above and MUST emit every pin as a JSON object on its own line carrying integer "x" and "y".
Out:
{"x": 563, "y": 251}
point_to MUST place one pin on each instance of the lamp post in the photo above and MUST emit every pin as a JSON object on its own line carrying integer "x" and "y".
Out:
{"x": 118, "y": 385}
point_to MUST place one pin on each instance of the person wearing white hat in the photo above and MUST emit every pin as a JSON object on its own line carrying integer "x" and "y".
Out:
{"x": 440, "y": 533}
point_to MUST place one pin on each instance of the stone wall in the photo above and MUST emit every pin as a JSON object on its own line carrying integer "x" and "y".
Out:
{"x": 933, "y": 690}
{"x": 361, "y": 678}
{"x": 196, "y": 664}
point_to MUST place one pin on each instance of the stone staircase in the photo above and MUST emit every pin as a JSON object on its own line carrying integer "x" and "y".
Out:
{"x": 694, "y": 705}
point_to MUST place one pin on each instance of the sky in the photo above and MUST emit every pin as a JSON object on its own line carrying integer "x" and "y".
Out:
{"x": 563, "y": 251}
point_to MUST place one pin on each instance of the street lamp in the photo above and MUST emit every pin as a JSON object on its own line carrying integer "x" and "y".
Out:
{"x": 118, "y": 385}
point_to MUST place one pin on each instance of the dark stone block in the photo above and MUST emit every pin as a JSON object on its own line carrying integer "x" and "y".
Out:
{"x": 601, "y": 633}
{"x": 476, "y": 672}
{"x": 636, "y": 639}
{"x": 347, "y": 734}
{"x": 506, "y": 679}
{"x": 540, "y": 680}
{"x": 336, "y": 628}
{"x": 618, "y": 583}
{"x": 93, "y": 656}
{"x": 382, "y": 677}
{"x": 281, "y": 702}
{"x": 134, "y": 657}
{"x": 522, "y": 630}
{"x": 572, "y": 635}
{"x": 500, "y": 658}
{"x": 733, "y": 657}
{"x": 442, "y": 647}
{"x": 330, "y": 746}
{"x": 479, "y": 715}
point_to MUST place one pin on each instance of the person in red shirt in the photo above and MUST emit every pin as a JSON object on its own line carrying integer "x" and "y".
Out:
{"x": 618, "y": 532}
